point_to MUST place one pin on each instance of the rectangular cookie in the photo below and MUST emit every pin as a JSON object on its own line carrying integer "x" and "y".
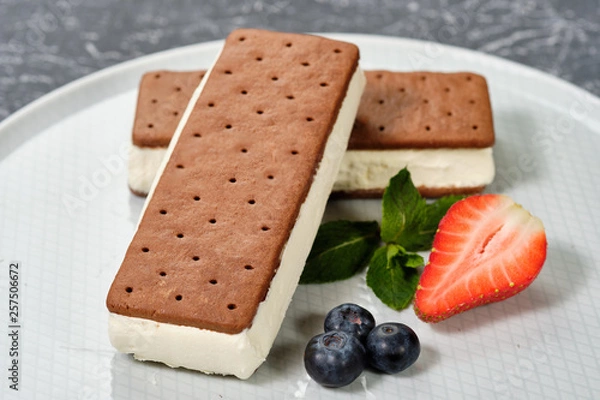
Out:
{"x": 438, "y": 124}
{"x": 227, "y": 226}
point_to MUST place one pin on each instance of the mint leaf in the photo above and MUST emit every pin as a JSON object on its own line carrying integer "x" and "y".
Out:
{"x": 407, "y": 218}
{"x": 341, "y": 249}
{"x": 402, "y": 209}
{"x": 392, "y": 275}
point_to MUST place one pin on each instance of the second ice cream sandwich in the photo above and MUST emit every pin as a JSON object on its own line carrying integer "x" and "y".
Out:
{"x": 230, "y": 220}
{"x": 439, "y": 125}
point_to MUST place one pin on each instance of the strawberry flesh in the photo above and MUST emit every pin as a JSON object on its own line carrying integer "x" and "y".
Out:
{"x": 487, "y": 248}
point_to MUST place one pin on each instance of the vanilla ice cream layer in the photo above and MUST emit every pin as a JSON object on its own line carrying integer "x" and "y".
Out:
{"x": 240, "y": 354}
{"x": 431, "y": 168}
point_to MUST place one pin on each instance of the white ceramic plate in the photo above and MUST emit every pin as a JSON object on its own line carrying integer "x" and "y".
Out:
{"x": 66, "y": 216}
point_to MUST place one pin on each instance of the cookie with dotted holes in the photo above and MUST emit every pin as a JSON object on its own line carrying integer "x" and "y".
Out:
{"x": 415, "y": 110}
{"x": 162, "y": 98}
{"x": 217, "y": 220}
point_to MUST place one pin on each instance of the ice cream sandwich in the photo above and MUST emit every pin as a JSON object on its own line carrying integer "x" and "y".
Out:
{"x": 240, "y": 194}
{"x": 439, "y": 125}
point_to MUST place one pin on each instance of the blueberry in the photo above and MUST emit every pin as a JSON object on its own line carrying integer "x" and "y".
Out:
{"x": 334, "y": 359}
{"x": 350, "y": 318}
{"x": 392, "y": 347}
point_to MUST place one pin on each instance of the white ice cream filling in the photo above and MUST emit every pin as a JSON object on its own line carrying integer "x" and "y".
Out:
{"x": 431, "y": 168}
{"x": 238, "y": 354}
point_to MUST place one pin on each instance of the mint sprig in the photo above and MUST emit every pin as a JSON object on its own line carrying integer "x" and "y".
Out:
{"x": 408, "y": 224}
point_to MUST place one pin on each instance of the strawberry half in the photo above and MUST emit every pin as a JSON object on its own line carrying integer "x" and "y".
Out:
{"x": 487, "y": 248}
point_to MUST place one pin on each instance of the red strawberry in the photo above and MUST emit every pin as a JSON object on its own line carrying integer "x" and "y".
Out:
{"x": 487, "y": 248}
